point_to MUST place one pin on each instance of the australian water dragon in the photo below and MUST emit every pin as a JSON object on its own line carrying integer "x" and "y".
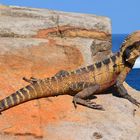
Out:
{"x": 83, "y": 82}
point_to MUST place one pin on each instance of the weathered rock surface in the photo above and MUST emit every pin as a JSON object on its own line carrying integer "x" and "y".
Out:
{"x": 39, "y": 43}
{"x": 67, "y": 31}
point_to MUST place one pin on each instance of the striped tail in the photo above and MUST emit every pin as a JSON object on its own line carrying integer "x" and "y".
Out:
{"x": 27, "y": 93}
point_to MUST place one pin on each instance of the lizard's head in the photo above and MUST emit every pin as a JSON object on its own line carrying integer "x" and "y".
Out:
{"x": 130, "y": 48}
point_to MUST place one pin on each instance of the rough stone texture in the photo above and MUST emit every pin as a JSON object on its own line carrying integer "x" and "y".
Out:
{"x": 39, "y": 43}
{"x": 66, "y": 30}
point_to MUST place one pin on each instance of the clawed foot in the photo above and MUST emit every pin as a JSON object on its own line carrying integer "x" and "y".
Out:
{"x": 31, "y": 80}
{"x": 87, "y": 103}
{"x": 90, "y": 102}
{"x": 132, "y": 100}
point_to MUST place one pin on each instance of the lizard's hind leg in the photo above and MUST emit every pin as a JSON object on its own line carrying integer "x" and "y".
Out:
{"x": 31, "y": 80}
{"x": 79, "y": 98}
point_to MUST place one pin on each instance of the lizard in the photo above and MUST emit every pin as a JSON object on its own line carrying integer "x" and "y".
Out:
{"x": 83, "y": 82}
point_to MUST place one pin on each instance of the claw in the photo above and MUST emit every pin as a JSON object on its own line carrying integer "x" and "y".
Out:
{"x": 99, "y": 107}
{"x": 132, "y": 100}
{"x": 137, "y": 104}
{"x": 75, "y": 103}
{"x": 87, "y": 103}
{"x": 34, "y": 79}
{"x": 94, "y": 105}
{"x": 27, "y": 80}
{"x": 31, "y": 80}
{"x": 90, "y": 102}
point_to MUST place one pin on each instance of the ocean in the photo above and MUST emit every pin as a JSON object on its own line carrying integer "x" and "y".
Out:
{"x": 133, "y": 78}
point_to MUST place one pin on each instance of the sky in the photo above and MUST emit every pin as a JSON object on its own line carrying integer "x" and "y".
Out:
{"x": 124, "y": 14}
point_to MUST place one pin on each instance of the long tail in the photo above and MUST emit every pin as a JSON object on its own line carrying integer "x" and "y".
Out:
{"x": 24, "y": 94}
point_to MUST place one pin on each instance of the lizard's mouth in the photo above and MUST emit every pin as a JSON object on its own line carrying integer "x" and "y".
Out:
{"x": 131, "y": 59}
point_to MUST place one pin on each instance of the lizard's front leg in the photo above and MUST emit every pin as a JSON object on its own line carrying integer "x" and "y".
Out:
{"x": 79, "y": 97}
{"x": 124, "y": 94}
{"x": 121, "y": 89}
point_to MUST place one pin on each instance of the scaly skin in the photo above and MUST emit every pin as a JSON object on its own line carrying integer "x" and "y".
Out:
{"x": 83, "y": 82}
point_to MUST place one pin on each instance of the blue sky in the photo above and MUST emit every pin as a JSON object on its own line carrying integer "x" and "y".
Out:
{"x": 125, "y": 14}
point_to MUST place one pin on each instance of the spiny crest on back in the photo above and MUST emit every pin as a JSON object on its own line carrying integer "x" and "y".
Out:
{"x": 130, "y": 40}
